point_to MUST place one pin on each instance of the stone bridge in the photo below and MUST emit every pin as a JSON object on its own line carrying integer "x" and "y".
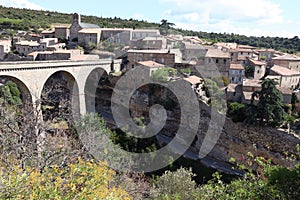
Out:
{"x": 32, "y": 76}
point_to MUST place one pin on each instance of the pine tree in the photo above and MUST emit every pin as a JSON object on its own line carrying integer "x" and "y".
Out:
{"x": 269, "y": 109}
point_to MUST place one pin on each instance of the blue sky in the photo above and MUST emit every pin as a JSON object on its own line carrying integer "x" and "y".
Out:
{"x": 248, "y": 17}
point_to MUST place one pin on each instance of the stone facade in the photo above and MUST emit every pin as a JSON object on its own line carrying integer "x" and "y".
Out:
{"x": 116, "y": 35}
{"x": 160, "y": 56}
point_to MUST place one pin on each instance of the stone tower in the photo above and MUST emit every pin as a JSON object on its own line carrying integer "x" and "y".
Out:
{"x": 75, "y": 27}
{"x": 76, "y": 18}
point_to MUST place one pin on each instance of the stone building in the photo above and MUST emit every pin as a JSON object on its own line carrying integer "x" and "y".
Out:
{"x": 236, "y": 73}
{"x": 160, "y": 56}
{"x": 258, "y": 69}
{"x": 89, "y": 36}
{"x": 116, "y": 35}
{"x": 219, "y": 58}
{"x": 77, "y": 26}
{"x": 286, "y": 78}
{"x": 142, "y": 33}
{"x": 5, "y": 47}
{"x": 62, "y": 32}
{"x": 288, "y": 61}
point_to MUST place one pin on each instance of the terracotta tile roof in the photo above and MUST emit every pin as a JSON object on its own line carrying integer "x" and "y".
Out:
{"x": 246, "y": 47}
{"x": 242, "y": 58}
{"x": 257, "y": 62}
{"x": 193, "y": 79}
{"x": 150, "y": 64}
{"x": 90, "y": 30}
{"x": 284, "y": 90}
{"x": 287, "y": 57}
{"x": 237, "y": 66}
{"x": 217, "y": 53}
{"x": 252, "y": 83}
{"x": 283, "y": 71}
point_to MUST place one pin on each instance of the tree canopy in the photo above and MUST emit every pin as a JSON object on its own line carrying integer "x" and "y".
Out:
{"x": 269, "y": 109}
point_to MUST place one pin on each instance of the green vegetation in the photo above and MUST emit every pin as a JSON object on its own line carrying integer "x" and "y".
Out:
{"x": 237, "y": 111}
{"x": 261, "y": 181}
{"x": 10, "y": 94}
{"x": 269, "y": 109}
{"x": 163, "y": 75}
{"x": 43, "y": 19}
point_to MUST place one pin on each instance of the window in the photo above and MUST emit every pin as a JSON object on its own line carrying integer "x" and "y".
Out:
{"x": 224, "y": 61}
{"x": 217, "y": 60}
{"x": 258, "y": 71}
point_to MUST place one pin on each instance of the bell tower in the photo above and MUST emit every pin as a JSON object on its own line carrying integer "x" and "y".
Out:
{"x": 76, "y": 18}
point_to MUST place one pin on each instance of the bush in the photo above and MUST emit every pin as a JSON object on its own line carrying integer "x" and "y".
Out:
{"x": 175, "y": 185}
{"x": 236, "y": 111}
{"x": 83, "y": 180}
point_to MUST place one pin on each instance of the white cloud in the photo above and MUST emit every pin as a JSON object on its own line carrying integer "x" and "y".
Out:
{"x": 230, "y": 16}
{"x": 20, "y": 4}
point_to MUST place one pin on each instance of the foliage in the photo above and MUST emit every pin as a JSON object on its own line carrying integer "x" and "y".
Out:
{"x": 269, "y": 109}
{"x": 286, "y": 180}
{"x": 237, "y": 111}
{"x": 165, "y": 26}
{"x": 221, "y": 81}
{"x": 82, "y": 180}
{"x": 185, "y": 71}
{"x": 35, "y": 19}
{"x": 249, "y": 71}
{"x": 10, "y": 94}
{"x": 163, "y": 75}
{"x": 216, "y": 95}
{"x": 175, "y": 185}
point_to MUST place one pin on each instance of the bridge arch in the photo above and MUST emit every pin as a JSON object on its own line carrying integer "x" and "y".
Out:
{"x": 96, "y": 77}
{"x": 61, "y": 88}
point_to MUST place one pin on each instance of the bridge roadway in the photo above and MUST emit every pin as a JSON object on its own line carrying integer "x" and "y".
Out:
{"x": 31, "y": 76}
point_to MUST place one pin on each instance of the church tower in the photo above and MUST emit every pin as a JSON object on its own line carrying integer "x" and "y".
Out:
{"x": 76, "y": 18}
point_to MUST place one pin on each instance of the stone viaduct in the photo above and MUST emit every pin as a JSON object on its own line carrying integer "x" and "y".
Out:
{"x": 81, "y": 76}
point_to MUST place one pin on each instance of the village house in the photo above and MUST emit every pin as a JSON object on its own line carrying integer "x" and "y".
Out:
{"x": 157, "y": 43}
{"x": 219, "y": 58}
{"x": 89, "y": 36}
{"x": 25, "y": 47}
{"x": 240, "y": 55}
{"x": 142, "y": 33}
{"x": 288, "y": 61}
{"x": 74, "y": 54}
{"x": 193, "y": 52}
{"x": 48, "y": 33}
{"x": 236, "y": 73}
{"x": 193, "y": 40}
{"x": 33, "y": 37}
{"x": 116, "y": 35}
{"x": 150, "y": 66}
{"x": 160, "y": 56}
{"x": 250, "y": 86}
{"x": 62, "y": 32}
{"x": 258, "y": 69}
{"x": 5, "y": 48}
{"x": 225, "y": 46}
{"x": 265, "y": 54}
{"x": 234, "y": 92}
{"x": 77, "y": 26}
{"x": 287, "y": 78}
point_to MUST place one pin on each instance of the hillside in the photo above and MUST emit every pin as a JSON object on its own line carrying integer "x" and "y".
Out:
{"x": 24, "y": 19}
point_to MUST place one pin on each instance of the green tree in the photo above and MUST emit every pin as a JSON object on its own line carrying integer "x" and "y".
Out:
{"x": 269, "y": 109}
{"x": 165, "y": 26}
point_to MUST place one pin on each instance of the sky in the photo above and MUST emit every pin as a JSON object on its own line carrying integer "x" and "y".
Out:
{"x": 248, "y": 17}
